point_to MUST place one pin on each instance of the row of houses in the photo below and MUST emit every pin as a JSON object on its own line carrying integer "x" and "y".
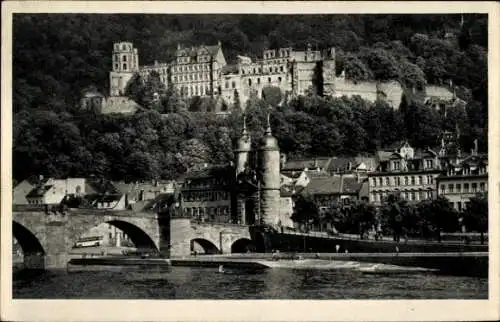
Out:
{"x": 91, "y": 193}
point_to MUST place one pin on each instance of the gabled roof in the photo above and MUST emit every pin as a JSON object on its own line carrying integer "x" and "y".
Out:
{"x": 301, "y": 164}
{"x": 229, "y": 69}
{"x": 383, "y": 155}
{"x": 39, "y": 191}
{"x": 209, "y": 171}
{"x": 323, "y": 185}
{"x": 193, "y": 51}
{"x": 341, "y": 163}
{"x": 351, "y": 185}
{"x": 438, "y": 91}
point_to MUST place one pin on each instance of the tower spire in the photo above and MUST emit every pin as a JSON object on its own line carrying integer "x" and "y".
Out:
{"x": 244, "y": 132}
{"x": 268, "y": 129}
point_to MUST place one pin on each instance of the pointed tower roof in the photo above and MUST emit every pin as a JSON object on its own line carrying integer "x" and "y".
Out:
{"x": 244, "y": 143}
{"x": 268, "y": 141}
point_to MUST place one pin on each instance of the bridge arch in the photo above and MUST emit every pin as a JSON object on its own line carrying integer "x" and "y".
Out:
{"x": 242, "y": 245}
{"x": 30, "y": 244}
{"x": 137, "y": 235}
{"x": 204, "y": 246}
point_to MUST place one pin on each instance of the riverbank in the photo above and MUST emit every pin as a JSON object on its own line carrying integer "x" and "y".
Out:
{"x": 464, "y": 264}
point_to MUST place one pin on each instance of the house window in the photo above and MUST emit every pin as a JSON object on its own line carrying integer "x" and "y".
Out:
{"x": 249, "y": 82}
{"x": 233, "y": 84}
{"x": 398, "y": 181}
{"x": 269, "y": 79}
{"x": 458, "y": 187}
{"x": 387, "y": 181}
{"x": 406, "y": 181}
{"x": 227, "y": 84}
{"x": 258, "y": 80}
{"x": 429, "y": 164}
{"x": 124, "y": 66}
{"x": 279, "y": 79}
{"x": 443, "y": 189}
{"x": 396, "y": 165}
{"x": 450, "y": 188}
{"x": 474, "y": 187}
{"x": 466, "y": 187}
{"x": 419, "y": 180}
{"x": 380, "y": 181}
{"x": 374, "y": 182}
{"x": 430, "y": 180}
{"x": 412, "y": 195}
{"x": 281, "y": 70}
{"x": 482, "y": 187}
{"x": 459, "y": 206}
{"x": 412, "y": 180}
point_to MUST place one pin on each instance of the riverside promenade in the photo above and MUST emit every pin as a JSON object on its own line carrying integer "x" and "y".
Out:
{"x": 459, "y": 263}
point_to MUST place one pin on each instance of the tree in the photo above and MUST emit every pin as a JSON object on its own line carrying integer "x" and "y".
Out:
{"x": 476, "y": 214}
{"x": 412, "y": 76}
{"x": 393, "y": 211}
{"x": 355, "y": 69}
{"x": 381, "y": 62}
{"x": 439, "y": 216}
{"x": 193, "y": 153}
{"x": 305, "y": 210}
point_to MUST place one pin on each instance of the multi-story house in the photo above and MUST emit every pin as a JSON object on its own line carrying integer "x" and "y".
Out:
{"x": 409, "y": 173}
{"x": 460, "y": 182}
{"x": 205, "y": 195}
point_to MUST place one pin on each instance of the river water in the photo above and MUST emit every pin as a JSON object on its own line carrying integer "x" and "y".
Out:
{"x": 208, "y": 283}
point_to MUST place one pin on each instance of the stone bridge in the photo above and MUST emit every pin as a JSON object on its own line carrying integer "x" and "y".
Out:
{"x": 210, "y": 238}
{"x": 47, "y": 238}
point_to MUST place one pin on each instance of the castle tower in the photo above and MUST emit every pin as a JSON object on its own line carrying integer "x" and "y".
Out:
{"x": 125, "y": 63}
{"x": 243, "y": 148}
{"x": 329, "y": 72}
{"x": 269, "y": 174}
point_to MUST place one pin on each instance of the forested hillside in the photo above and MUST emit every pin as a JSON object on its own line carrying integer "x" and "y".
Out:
{"x": 56, "y": 56}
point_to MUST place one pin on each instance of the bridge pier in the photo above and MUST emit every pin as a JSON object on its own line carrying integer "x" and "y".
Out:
{"x": 212, "y": 237}
{"x": 34, "y": 261}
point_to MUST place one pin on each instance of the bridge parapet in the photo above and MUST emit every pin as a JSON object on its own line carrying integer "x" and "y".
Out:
{"x": 55, "y": 233}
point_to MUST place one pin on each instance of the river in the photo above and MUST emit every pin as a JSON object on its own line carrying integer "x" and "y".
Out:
{"x": 208, "y": 283}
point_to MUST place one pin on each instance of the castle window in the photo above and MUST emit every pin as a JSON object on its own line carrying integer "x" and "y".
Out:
{"x": 124, "y": 58}
{"x": 249, "y": 82}
{"x": 233, "y": 84}
{"x": 124, "y": 66}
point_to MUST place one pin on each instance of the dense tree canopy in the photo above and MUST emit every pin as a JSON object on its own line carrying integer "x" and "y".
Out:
{"x": 56, "y": 56}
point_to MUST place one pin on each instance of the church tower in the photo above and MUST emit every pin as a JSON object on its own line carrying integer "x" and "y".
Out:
{"x": 269, "y": 175}
{"x": 125, "y": 63}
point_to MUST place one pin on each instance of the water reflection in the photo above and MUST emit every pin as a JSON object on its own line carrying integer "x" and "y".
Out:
{"x": 208, "y": 283}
